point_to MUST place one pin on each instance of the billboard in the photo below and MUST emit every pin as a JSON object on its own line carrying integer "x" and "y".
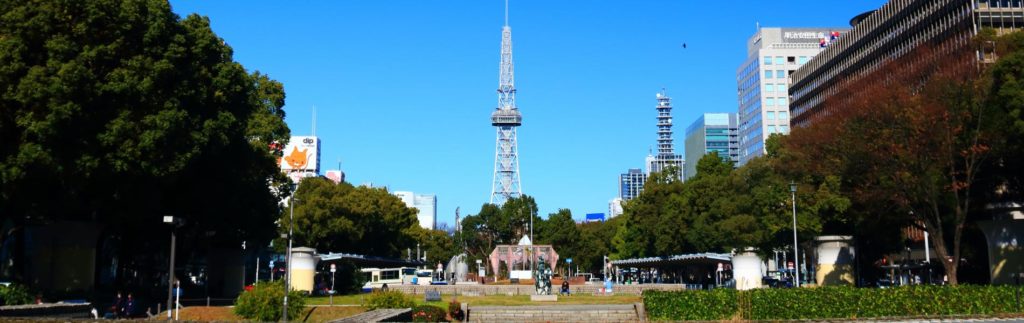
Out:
{"x": 595, "y": 217}
{"x": 301, "y": 154}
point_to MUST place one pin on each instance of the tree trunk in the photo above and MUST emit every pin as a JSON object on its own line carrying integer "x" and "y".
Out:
{"x": 949, "y": 264}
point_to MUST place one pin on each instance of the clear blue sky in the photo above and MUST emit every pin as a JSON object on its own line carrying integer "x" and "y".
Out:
{"x": 404, "y": 89}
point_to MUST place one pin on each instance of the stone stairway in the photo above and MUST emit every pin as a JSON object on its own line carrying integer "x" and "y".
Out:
{"x": 381, "y": 315}
{"x": 555, "y": 313}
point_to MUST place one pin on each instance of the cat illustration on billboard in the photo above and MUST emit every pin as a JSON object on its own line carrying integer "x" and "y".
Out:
{"x": 297, "y": 159}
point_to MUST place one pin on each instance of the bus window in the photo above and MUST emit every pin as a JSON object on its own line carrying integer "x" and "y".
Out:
{"x": 408, "y": 271}
{"x": 389, "y": 274}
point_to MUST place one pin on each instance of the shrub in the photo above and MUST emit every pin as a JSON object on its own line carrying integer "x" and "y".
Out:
{"x": 14, "y": 294}
{"x": 717, "y": 304}
{"x": 830, "y": 303}
{"x": 264, "y": 302}
{"x": 389, "y": 299}
{"x": 428, "y": 313}
{"x": 455, "y": 310}
{"x": 850, "y": 302}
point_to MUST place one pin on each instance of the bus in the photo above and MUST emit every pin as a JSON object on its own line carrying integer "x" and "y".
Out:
{"x": 377, "y": 277}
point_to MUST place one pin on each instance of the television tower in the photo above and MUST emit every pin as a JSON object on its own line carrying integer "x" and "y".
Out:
{"x": 506, "y": 118}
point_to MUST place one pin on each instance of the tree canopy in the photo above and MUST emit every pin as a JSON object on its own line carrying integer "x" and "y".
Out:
{"x": 119, "y": 112}
{"x": 342, "y": 218}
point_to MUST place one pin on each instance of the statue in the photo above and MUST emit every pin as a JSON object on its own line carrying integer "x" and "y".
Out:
{"x": 543, "y": 274}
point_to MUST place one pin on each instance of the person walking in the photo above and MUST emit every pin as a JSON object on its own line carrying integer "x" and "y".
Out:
{"x": 129, "y": 307}
{"x": 115, "y": 308}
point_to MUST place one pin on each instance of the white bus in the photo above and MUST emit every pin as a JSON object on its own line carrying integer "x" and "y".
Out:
{"x": 377, "y": 277}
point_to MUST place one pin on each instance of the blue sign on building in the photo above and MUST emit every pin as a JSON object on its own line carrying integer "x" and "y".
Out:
{"x": 595, "y": 217}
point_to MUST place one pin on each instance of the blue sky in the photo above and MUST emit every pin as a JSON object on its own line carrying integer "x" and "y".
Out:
{"x": 404, "y": 89}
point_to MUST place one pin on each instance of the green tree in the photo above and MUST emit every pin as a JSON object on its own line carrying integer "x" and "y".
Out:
{"x": 117, "y": 112}
{"x": 342, "y": 218}
{"x": 439, "y": 246}
{"x": 653, "y": 220}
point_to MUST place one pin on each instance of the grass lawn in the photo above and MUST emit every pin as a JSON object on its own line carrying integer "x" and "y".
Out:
{"x": 503, "y": 300}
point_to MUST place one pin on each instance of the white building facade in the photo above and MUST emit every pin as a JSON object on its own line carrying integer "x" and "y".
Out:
{"x": 426, "y": 204}
{"x": 762, "y": 81}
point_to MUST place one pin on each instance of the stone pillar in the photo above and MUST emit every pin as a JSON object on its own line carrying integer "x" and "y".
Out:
{"x": 303, "y": 268}
{"x": 746, "y": 269}
{"x": 835, "y": 260}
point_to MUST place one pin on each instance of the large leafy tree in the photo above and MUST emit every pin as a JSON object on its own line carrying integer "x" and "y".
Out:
{"x": 341, "y": 218}
{"x": 653, "y": 222}
{"x": 909, "y": 147}
{"x": 117, "y": 112}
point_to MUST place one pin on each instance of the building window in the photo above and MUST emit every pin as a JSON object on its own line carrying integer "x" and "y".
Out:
{"x": 791, "y": 59}
{"x": 767, "y": 60}
{"x": 769, "y": 87}
{"x": 769, "y": 102}
{"x": 803, "y": 60}
{"x": 782, "y": 102}
{"x": 778, "y": 60}
{"x": 771, "y": 115}
{"x": 771, "y": 130}
{"x": 783, "y": 115}
{"x": 782, "y": 87}
{"x": 784, "y": 129}
{"x": 767, "y": 74}
{"x": 780, "y": 74}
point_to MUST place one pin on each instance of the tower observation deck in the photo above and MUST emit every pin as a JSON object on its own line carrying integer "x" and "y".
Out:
{"x": 506, "y": 118}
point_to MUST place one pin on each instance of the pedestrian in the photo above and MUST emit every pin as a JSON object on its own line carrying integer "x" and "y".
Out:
{"x": 129, "y": 307}
{"x": 115, "y": 307}
{"x": 384, "y": 288}
{"x": 565, "y": 287}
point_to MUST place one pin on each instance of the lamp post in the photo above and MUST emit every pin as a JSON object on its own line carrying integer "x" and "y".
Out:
{"x": 533, "y": 250}
{"x": 288, "y": 257}
{"x": 174, "y": 222}
{"x": 796, "y": 250}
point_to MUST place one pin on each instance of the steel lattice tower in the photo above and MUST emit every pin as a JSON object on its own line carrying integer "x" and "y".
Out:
{"x": 506, "y": 118}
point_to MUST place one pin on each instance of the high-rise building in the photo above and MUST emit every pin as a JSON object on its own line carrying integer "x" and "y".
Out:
{"x": 506, "y": 119}
{"x": 894, "y": 30}
{"x": 666, "y": 156}
{"x": 615, "y": 207}
{"x": 712, "y": 132}
{"x": 762, "y": 81}
{"x": 425, "y": 204}
{"x": 631, "y": 183}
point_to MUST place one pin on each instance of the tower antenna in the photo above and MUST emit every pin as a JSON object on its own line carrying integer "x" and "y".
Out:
{"x": 506, "y": 119}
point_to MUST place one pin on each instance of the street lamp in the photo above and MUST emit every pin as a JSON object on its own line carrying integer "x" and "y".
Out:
{"x": 175, "y": 222}
{"x": 288, "y": 257}
{"x": 796, "y": 250}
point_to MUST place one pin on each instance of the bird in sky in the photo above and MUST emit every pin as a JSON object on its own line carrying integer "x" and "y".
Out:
{"x": 684, "y": 45}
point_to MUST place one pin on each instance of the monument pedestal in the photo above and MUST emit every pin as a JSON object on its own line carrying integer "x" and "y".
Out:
{"x": 544, "y": 298}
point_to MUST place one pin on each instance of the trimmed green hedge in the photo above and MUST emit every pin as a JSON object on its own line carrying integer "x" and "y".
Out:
{"x": 830, "y": 302}
{"x": 389, "y": 299}
{"x": 717, "y": 304}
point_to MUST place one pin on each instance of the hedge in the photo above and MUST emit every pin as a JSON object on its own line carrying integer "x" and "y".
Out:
{"x": 830, "y": 303}
{"x": 717, "y": 304}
